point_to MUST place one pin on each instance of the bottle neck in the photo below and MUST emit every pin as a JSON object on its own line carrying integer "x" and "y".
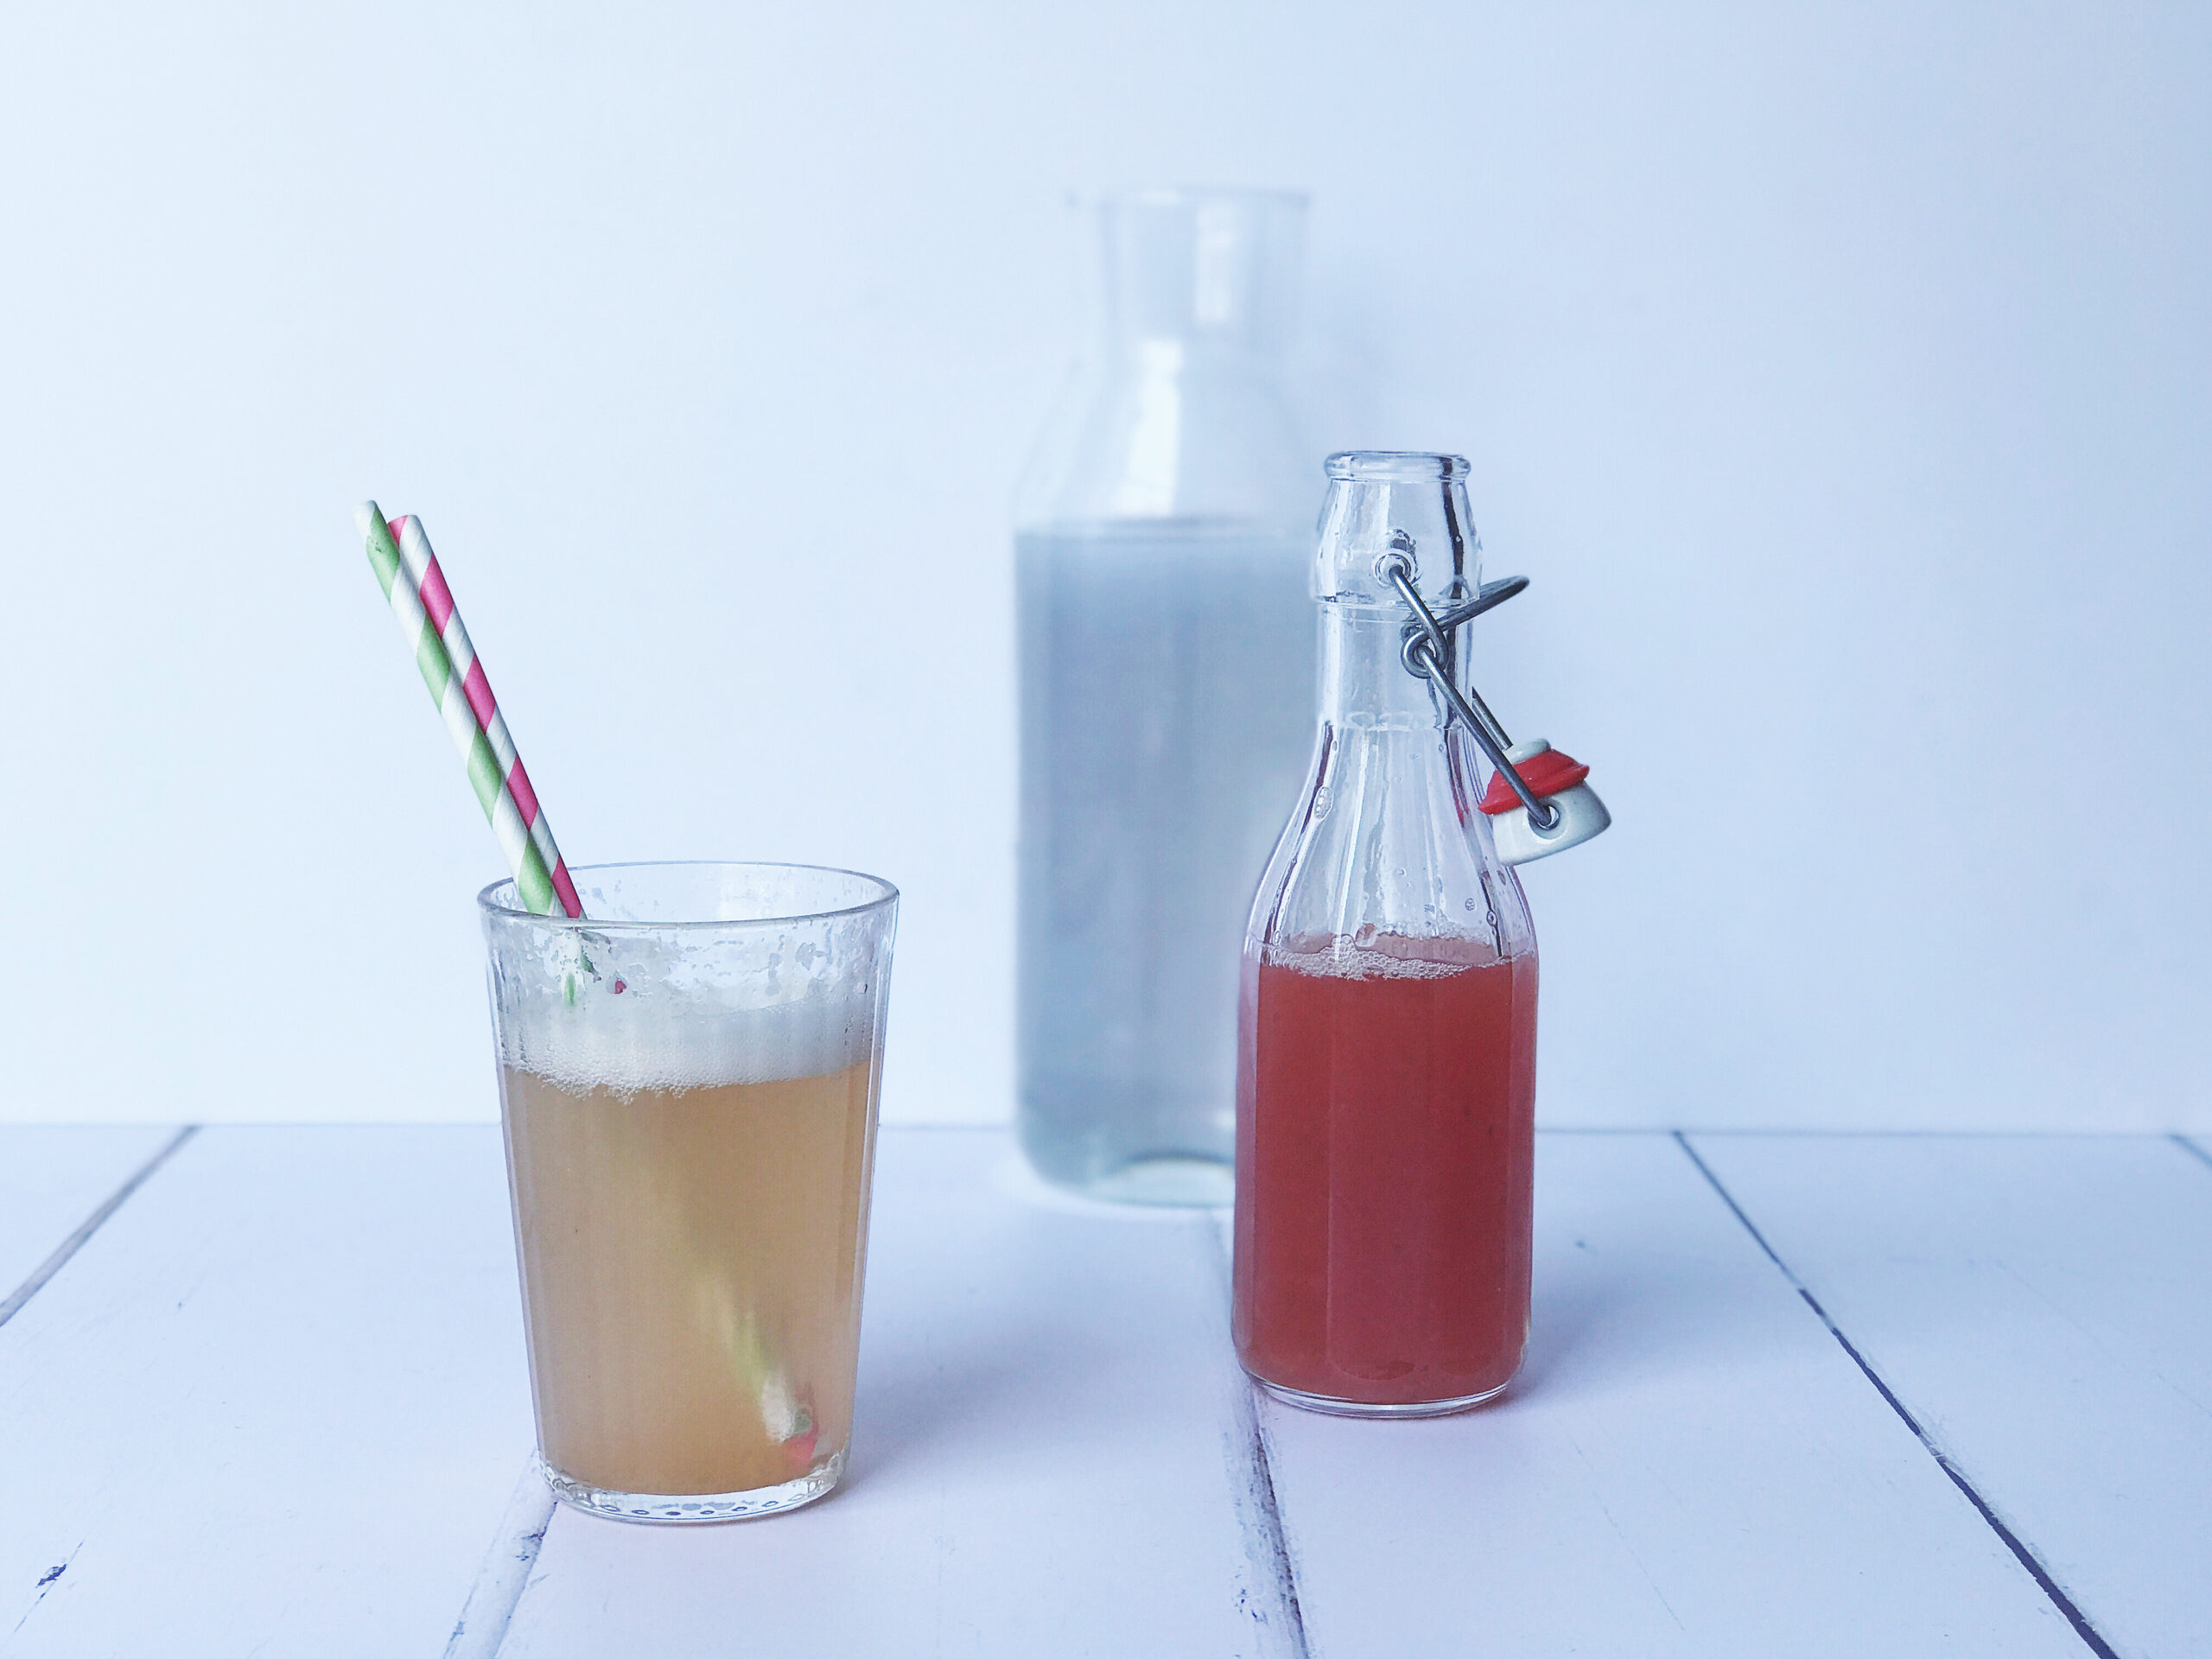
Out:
{"x": 1364, "y": 682}
{"x": 1388, "y": 840}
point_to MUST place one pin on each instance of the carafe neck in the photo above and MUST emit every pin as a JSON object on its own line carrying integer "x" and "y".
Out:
{"x": 1179, "y": 410}
{"x": 1203, "y": 276}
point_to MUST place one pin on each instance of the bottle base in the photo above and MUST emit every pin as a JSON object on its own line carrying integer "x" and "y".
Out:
{"x": 1335, "y": 1407}
{"x": 818, "y": 1482}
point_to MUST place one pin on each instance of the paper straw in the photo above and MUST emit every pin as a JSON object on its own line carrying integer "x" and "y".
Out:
{"x": 540, "y": 876}
{"x": 438, "y": 603}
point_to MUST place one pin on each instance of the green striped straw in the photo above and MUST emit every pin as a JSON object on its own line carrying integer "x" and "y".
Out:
{"x": 534, "y": 879}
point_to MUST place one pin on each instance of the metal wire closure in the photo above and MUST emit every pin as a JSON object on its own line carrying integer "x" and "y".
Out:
{"x": 1427, "y": 653}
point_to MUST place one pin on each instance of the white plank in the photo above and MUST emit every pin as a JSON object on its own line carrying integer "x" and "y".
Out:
{"x": 55, "y": 1178}
{"x": 1049, "y": 1457}
{"x": 1688, "y": 1465}
{"x": 2039, "y": 1305}
{"x": 276, "y": 1404}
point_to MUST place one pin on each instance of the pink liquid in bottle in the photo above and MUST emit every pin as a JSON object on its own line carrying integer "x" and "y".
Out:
{"x": 1385, "y": 1135}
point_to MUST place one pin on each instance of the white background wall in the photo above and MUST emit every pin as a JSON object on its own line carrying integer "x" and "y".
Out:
{"x": 1842, "y": 374}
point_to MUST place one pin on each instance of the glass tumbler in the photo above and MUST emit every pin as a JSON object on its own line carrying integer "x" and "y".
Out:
{"x": 688, "y": 1081}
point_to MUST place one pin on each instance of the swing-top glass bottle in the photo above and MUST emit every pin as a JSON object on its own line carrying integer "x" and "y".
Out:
{"x": 1386, "y": 1042}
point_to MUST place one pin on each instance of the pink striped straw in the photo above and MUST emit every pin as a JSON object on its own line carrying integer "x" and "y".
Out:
{"x": 437, "y": 604}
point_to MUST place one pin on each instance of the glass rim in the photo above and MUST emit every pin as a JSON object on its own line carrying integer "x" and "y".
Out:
{"x": 1384, "y": 466}
{"x": 886, "y": 895}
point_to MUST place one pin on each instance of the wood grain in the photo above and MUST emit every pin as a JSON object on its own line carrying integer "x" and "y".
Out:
{"x": 56, "y": 1182}
{"x": 1048, "y": 1456}
{"x": 276, "y": 1404}
{"x": 1688, "y": 1465}
{"x": 2038, "y": 1305}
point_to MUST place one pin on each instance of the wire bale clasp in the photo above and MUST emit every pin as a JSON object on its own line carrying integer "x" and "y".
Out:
{"x": 1547, "y": 809}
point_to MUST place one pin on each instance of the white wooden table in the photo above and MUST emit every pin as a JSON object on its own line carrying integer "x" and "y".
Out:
{"x": 261, "y": 1392}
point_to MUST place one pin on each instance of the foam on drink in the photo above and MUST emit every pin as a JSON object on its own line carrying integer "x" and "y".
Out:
{"x": 683, "y": 1022}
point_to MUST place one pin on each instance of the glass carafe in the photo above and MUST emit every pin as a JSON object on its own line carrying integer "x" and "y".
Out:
{"x": 1165, "y": 663}
{"x": 1387, "y": 1044}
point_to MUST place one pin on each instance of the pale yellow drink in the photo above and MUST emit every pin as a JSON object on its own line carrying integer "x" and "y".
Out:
{"x": 691, "y": 1276}
{"x": 688, "y": 1075}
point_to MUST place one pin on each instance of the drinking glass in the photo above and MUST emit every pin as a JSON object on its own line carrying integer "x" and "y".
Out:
{"x": 688, "y": 1081}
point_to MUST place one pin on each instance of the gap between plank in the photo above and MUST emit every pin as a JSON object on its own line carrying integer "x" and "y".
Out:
{"x": 1268, "y": 1549}
{"x": 1281, "y": 1622}
{"x": 2021, "y": 1552}
{"x": 481, "y": 1631}
{"x": 2191, "y": 1148}
{"x": 90, "y": 1224}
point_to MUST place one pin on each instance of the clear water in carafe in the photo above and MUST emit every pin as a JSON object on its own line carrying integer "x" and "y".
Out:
{"x": 1166, "y": 721}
